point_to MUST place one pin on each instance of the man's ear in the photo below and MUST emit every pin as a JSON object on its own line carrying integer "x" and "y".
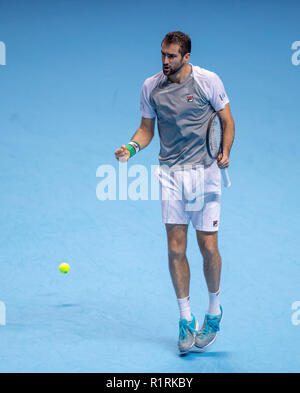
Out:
{"x": 187, "y": 57}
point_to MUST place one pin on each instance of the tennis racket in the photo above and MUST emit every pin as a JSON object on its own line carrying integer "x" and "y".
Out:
{"x": 214, "y": 141}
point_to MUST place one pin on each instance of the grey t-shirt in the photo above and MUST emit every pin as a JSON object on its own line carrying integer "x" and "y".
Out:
{"x": 183, "y": 111}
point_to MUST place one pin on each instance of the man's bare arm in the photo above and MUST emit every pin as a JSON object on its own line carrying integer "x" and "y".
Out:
{"x": 145, "y": 132}
{"x": 143, "y": 136}
{"x": 229, "y": 132}
{"x": 229, "y": 128}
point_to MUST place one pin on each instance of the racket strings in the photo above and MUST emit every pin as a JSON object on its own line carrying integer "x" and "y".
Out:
{"x": 215, "y": 138}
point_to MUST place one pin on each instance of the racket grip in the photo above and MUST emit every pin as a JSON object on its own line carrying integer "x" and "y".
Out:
{"x": 226, "y": 178}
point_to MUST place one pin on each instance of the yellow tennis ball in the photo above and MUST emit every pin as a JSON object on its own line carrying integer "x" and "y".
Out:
{"x": 64, "y": 268}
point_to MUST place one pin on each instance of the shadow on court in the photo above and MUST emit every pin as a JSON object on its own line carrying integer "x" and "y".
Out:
{"x": 194, "y": 354}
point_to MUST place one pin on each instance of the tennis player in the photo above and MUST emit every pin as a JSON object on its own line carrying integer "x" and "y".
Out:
{"x": 183, "y": 98}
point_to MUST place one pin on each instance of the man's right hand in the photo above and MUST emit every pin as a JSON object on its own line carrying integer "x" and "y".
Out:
{"x": 122, "y": 154}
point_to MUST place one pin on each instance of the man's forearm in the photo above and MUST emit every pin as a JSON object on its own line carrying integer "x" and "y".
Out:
{"x": 142, "y": 137}
{"x": 229, "y": 132}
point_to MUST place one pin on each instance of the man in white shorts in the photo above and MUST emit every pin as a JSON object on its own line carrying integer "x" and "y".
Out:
{"x": 183, "y": 97}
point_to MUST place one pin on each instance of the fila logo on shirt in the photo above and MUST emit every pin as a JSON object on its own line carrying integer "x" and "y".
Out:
{"x": 190, "y": 98}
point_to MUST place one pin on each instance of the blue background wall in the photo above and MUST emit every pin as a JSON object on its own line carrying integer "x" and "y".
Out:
{"x": 69, "y": 96}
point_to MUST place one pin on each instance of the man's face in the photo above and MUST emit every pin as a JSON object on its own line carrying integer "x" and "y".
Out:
{"x": 172, "y": 60}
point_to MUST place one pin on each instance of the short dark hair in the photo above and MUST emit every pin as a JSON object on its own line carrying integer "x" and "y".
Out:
{"x": 182, "y": 39}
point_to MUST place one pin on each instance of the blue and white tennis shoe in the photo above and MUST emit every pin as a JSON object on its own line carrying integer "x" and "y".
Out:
{"x": 187, "y": 334}
{"x": 208, "y": 333}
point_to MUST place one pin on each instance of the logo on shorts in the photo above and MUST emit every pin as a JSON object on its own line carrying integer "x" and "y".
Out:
{"x": 215, "y": 223}
{"x": 190, "y": 98}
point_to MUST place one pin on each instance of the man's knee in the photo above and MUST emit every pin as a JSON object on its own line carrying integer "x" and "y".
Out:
{"x": 176, "y": 254}
{"x": 208, "y": 247}
{"x": 177, "y": 242}
{"x": 176, "y": 247}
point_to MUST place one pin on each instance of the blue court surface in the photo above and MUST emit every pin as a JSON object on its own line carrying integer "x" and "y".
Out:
{"x": 69, "y": 98}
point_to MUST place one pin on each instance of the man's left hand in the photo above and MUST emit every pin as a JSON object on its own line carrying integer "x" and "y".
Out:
{"x": 223, "y": 160}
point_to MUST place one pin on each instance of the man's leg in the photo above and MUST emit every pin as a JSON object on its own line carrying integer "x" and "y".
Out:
{"x": 180, "y": 274}
{"x": 208, "y": 244}
{"x": 178, "y": 263}
{"x": 212, "y": 263}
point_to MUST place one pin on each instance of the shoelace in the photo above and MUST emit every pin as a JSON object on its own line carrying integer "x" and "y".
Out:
{"x": 183, "y": 325}
{"x": 212, "y": 324}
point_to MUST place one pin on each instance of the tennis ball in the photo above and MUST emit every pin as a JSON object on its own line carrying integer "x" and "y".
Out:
{"x": 64, "y": 268}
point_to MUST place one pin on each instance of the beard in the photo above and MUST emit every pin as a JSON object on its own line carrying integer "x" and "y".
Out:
{"x": 172, "y": 71}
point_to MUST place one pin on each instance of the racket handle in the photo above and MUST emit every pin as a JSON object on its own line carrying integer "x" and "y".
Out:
{"x": 226, "y": 178}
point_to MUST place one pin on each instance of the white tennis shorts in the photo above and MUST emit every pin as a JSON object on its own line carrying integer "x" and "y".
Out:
{"x": 191, "y": 193}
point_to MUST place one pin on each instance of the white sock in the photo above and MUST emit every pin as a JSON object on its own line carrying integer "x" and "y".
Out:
{"x": 214, "y": 303}
{"x": 185, "y": 308}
